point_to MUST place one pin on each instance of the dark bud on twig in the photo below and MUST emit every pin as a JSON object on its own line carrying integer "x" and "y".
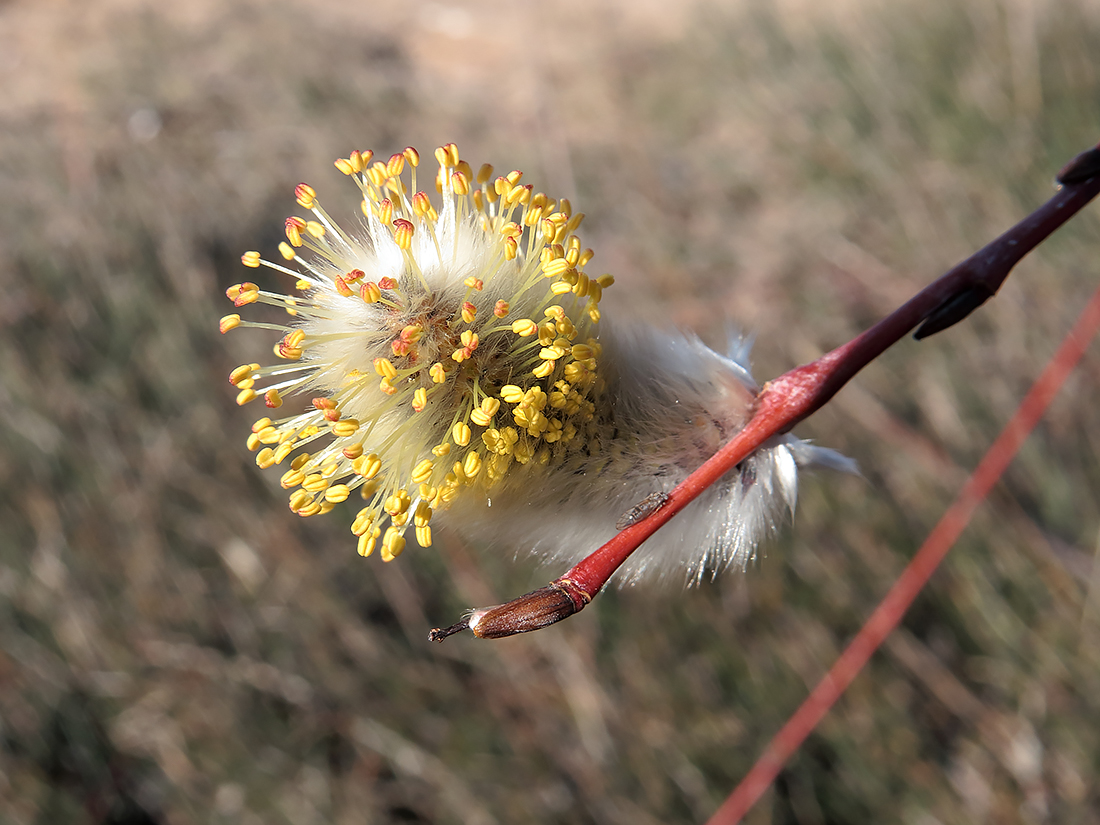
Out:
{"x": 534, "y": 611}
{"x": 1086, "y": 165}
{"x": 953, "y": 310}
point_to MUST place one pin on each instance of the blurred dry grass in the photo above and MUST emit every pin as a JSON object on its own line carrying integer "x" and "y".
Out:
{"x": 176, "y": 647}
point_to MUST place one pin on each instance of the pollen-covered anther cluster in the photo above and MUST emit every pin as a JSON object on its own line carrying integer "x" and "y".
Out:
{"x": 447, "y": 347}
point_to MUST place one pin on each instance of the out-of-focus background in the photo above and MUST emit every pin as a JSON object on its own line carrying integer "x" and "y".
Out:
{"x": 177, "y": 647}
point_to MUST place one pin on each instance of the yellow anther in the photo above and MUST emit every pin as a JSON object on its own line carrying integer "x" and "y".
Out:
{"x": 441, "y": 450}
{"x": 500, "y": 310}
{"x": 423, "y": 514}
{"x": 560, "y": 288}
{"x": 377, "y": 174}
{"x": 553, "y": 433}
{"x": 309, "y": 510}
{"x": 522, "y": 453}
{"x": 469, "y": 312}
{"x": 472, "y": 465}
{"x": 582, "y": 352}
{"x": 292, "y": 478}
{"x": 469, "y": 338}
{"x": 420, "y": 399}
{"x": 535, "y": 398}
{"x": 244, "y": 396}
{"x": 423, "y": 535}
{"x": 385, "y": 211}
{"x": 314, "y": 483}
{"x": 524, "y": 327}
{"x": 368, "y": 541}
{"x": 261, "y": 424}
{"x": 282, "y": 451}
{"x": 299, "y": 498}
{"x": 305, "y": 195}
{"x": 412, "y": 156}
{"x": 367, "y": 466}
{"x": 241, "y": 373}
{"x": 438, "y": 374}
{"x": 422, "y": 471}
{"x": 229, "y": 322}
{"x": 345, "y": 427}
{"x": 442, "y": 157}
{"x": 268, "y": 435}
{"x": 484, "y": 173}
{"x": 543, "y": 369}
{"x": 287, "y": 251}
{"x": 353, "y": 452}
{"x": 294, "y": 227}
{"x": 511, "y": 393}
{"x": 337, "y": 493}
{"x": 363, "y": 521}
{"x": 251, "y": 259}
{"x": 345, "y": 166}
{"x": 300, "y": 461}
{"x": 385, "y": 368}
{"x": 385, "y": 386}
{"x": 460, "y": 433}
{"x": 552, "y": 353}
{"x": 272, "y": 399}
{"x": 474, "y": 283}
{"x": 370, "y": 292}
{"x": 398, "y": 503}
{"x": 392, "y": 544}
{"x": 420, "y": 204}
{"x": 484, "y": 414}
{"x": 395, "y": 166}
{"x": 265, "y": 458}
{"x": 460, "y": 183}
{"x": 403, "y": 232}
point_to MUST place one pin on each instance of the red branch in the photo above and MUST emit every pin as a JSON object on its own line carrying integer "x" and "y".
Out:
{"x": 797, "y": 394}
{"x": 897, "y": 601}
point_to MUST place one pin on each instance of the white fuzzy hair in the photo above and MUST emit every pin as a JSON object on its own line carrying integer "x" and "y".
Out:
{"x": 674, "y": 403}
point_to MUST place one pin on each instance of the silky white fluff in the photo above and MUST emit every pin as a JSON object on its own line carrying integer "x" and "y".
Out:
{"x": 673, "y": 403}
{"x": 507, "y": 406}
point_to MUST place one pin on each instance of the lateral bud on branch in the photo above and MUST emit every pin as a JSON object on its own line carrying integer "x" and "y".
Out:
{"x": 533, "y": 611}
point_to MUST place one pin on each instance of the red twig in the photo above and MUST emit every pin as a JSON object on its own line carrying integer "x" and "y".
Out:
{"x": 797, "y": 394}
{"x": 897, "y": 601}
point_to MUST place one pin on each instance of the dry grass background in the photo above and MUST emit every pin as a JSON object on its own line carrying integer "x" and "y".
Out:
{"x": 176, "y": 647}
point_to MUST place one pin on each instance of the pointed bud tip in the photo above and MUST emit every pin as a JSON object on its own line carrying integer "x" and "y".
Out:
{"x": 533, "y": 611}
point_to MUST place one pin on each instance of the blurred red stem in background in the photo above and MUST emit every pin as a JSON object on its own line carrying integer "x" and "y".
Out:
{"x": 796, "y": 395}
{"x": 897, "y": 601}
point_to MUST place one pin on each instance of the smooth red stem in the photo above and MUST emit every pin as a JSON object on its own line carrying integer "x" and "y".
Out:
{"x": 898, "y": 600}
{"x": 797, "y": 394}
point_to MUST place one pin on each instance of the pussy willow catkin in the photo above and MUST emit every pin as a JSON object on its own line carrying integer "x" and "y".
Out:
{"x": 455, "y": 362}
